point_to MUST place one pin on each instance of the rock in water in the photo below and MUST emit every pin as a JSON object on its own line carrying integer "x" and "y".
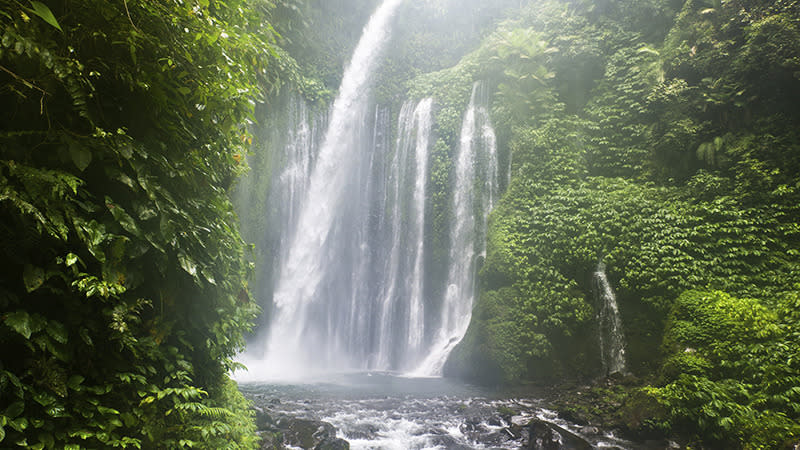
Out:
{"x": 547, "y": 436}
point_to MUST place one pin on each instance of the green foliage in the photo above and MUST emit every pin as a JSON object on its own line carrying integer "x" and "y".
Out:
{"x": 732, "y": 373}
{"x": 659, "y": 151}
{"x": 124, "y": 293}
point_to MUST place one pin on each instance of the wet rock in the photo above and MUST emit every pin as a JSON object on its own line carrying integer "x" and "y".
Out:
{"x": 448, "y": 442}
{"x": 473, "y": 425}
{"x": 547, "y": 436}
{"x": 271, "y": 441}
{"x": 333, "y": 444}
{"x": 366, "y": 431}
{"x": 496, "y": 421}
{"x": 506, "y": 413}
{"x": 307, "y": 433}
{"x": 432, "y": 431}
{"x": 574, "y": 415}
{"x": 264, "y": 420}
{"x": 497, "y": 438}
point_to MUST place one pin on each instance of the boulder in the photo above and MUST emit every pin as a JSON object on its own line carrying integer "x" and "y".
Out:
{"x": 547, "y": 436}
{"x": 271, "y": 441}
{"x": 306, "y": 433}
{"x": 333, "y": 444}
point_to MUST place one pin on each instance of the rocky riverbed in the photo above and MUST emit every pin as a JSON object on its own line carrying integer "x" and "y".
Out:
{"x": 382, "y": 411}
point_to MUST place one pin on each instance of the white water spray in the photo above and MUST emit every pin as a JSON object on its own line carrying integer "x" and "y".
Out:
{"x": 291, "y": 345}
{"x": 476, "y": 160}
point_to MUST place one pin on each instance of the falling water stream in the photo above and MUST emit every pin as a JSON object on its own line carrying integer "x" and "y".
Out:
{"x": 610, "y": 335}
{"x": 350, "y": 292}
{"x": 476, "y": 159}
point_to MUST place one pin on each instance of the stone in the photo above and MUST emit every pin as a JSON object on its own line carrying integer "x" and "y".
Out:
{"x": 307, "y": 433}
{"x": 333, "y": 444}
{"x": 547, "y": 436}
{"x": 270, "y": 441}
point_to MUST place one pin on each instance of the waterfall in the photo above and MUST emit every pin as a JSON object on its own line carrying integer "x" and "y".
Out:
{"x": 349, "y": 284}
{"x": 609, "y": 324}
{"x": 476, "y": 165}
{"x": 309, "y": 325}
{"x": 401, "y": 298}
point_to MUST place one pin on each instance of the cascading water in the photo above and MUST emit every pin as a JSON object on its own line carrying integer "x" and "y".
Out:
{"x": 308, "y": 326}
{"x": 476, "y": 160}
{"x": 610, "y": 334}
{"x": 401, "y": 304}
{"x": 350, "y": 290}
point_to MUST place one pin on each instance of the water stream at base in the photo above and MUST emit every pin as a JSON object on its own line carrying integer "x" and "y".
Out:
{"x": 378, "y": 410}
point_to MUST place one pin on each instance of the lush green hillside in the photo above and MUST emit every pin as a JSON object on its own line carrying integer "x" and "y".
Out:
{"x": 124, "y": 293}
{"x": 660, "y": 138}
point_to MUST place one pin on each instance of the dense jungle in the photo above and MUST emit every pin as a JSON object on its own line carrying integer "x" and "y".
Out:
{"x": 624, "y": 241}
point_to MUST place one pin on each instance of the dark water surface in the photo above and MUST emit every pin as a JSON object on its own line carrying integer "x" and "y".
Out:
{"x": 388, "y": 411}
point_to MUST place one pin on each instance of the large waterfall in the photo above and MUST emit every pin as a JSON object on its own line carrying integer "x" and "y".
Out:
{"x": 350, "y": 289}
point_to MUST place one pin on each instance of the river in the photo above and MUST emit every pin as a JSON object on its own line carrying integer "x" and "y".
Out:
{"x": 382, "y": 410}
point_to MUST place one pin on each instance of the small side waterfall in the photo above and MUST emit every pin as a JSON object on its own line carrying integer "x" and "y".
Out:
{"x": 476, "y": 165}
{"x": 609, "y": 324}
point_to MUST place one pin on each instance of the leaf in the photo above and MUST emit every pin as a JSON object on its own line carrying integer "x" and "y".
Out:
{"x": 71, "y": 259}
{"x": 122, "y": 217}
{"x": 84, "y": 334}
{"x": 75, "y": 381}
{"x": 33, "y": 277}
{"x": 14, "y": 409}
{"x": 41, "y": 10}
{"x": 81, "y": 156}
{"x": 19, "y": 424}
{"x": 20, "y": 322}
{"x": 58, "y": 332}
{"x": 2, "y": 434}
{"x": 187, "y": 264}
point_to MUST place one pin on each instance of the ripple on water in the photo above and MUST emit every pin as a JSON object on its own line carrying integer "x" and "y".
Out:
{"x": 382, "y": 411}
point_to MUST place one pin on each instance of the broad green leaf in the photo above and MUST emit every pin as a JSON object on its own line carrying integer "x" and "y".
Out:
{"x": 81, "y": 156}
{"x": 20, "y": 322}
{"x": 71, "y": 259}
{"x": 2, "y": 434}
{"x": 41, "y": 10}
{"x": 84, "y": 334}
{"x": 19, "y": 424}
{"x": 14, "y": 409}
{"x": 122, "y": 217}
{"x": 187, "y": 264}
{"x": 33, "y": 277}
{"x": 56, "y": 411}
{"x": 57, "y": 331}
{"x": 106, "y": 410}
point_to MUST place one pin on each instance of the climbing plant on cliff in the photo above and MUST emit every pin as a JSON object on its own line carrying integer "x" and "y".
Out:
{"x": 123, "y": 295}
